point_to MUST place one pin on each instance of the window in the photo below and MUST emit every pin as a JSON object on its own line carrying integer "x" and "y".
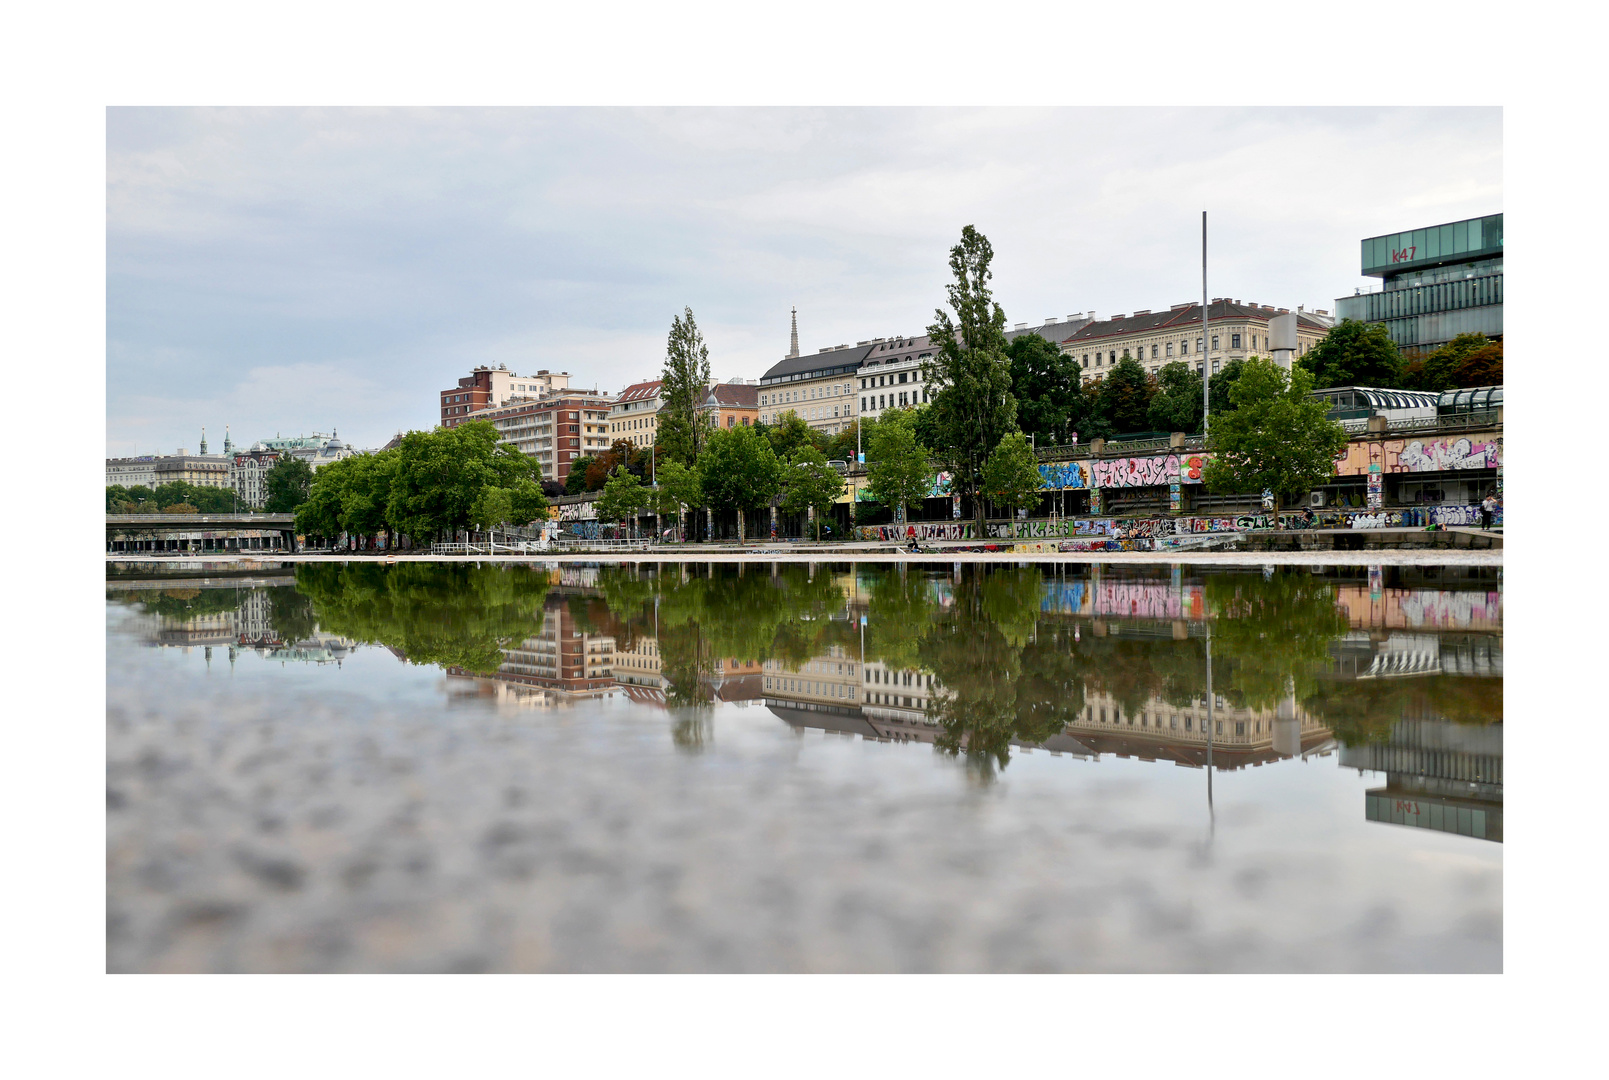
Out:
{"x": 1184, "y": 348}
{"x": 862, "y": 404}
{"x": 1097, "y": 359}
{"x": 1170, "y": 348}
{"x": 1198, "y": 344}
{"x": 1234, "y": 341}
{"x": 1215, "y": 343}
{"x": 1153, "y": 352}
{"x": 1215, "y": 367}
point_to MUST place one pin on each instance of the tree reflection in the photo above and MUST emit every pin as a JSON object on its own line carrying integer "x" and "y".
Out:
{"x": 452, "y": 615}
{"x": 1273, "y": 634}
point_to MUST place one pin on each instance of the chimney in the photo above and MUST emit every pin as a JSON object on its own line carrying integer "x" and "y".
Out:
{"x": 1020, "y": 326}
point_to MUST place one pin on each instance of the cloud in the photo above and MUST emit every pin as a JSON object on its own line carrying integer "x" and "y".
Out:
{"x": 369, "y": 257}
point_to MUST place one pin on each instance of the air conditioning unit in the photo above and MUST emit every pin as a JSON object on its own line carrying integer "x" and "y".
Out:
{"x": 1315, "y": 498}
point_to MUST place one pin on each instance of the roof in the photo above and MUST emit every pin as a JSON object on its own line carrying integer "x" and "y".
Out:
{"x": 826, "y": 362}
{"x": 735, "y": 395}
{"x": 1386, "y": 399}
{"x": 638, "y": 391}
{"x": 1054, "y": 330}
{"x": 1184, "y": 317}
{"x": 1479, "y": 397}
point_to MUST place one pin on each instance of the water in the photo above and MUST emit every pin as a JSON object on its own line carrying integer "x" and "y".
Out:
{"x": 707, "y": 767}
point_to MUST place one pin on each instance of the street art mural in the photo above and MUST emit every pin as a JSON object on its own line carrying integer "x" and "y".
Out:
{"x": 1158, "y": 470}
{"x": 1150, "y": 534}
{"x": 1139, "y": 599}
{"x": 1421, "y": 609}
{"x": 1419, "y": 455}
{"x": 1063, "y": 475}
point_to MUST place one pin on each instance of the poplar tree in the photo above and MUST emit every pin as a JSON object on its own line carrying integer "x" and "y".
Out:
{"x": 686, "y": 380}
{"x": 973, "y": 408}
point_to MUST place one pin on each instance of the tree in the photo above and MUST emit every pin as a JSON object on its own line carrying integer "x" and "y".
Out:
{"x": 623, "y": 497}
{"x": 1221, "y": 384}
{"x": 1123, "y": 400}
{"x": 287, "y": 484}
{"x": 1177, "y": 403}
{"x": 683, "y": 429}
{"x": 116, "y": 496}
{"x": 576, "y": 482}
{"x": 180, "y": 508}
{"x": 1049, "y": 391}
{"x": 1467, "y": 360}
{"x": 740, "y": 472}
{"x": 973, "y": 407}
{"x": 683, "y": 486}
{"x": 809, "y": 483}
{"x": 1011, "y": 477}
{"x": 494, "y": 506}
{"x": 842, "y": 446}
{"x": 790, "y": 432}
{"x": 898, "y": 471}
{"x": 439, "y": 475}
{"x": 1355, "y": 353}
{"x": 1275, "y": 438}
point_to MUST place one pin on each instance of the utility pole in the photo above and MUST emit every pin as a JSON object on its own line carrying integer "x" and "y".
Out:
{"x": 1206, "y": 341}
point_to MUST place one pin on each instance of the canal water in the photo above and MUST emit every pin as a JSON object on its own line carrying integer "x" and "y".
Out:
{"x": 924, "y": 767}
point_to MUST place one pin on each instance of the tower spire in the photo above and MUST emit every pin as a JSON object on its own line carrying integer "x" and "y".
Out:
{"x": 203, "y": 441}
{"x": 793, "y": 340}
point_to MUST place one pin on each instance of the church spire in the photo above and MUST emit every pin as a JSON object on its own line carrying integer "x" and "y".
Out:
{"x": 203, "y": 442}
{"x": 793, "y": 341}
{"x": 228, "y": 447}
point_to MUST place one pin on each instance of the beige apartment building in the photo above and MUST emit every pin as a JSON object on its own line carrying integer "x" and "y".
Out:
{"x": 634, "y": 415}
{"x": 832, "y": 678}
{"x": 1157, "y": 338}
{"x": 487, "y": 387}
{"x": 822, "y": 388}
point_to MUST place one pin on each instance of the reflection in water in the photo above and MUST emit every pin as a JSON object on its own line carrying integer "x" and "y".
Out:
{"x": 1401, "y": 668}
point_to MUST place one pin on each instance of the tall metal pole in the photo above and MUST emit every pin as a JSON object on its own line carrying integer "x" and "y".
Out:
{"x": 1206, "y": 384}
{"x": 1209, "y": 717}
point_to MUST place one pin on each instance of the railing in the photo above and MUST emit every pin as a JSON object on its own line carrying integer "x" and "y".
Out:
{"x": 1430, "y": 425}
{"x": 522, "y": 547}
{"x": 579, "y": 543}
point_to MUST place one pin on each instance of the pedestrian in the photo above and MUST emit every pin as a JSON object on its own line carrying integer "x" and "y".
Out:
{"x": 1488, "y": 508}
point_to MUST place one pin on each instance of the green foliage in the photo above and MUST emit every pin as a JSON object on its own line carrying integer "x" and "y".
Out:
{"x": 1123, "y": 397}
{"x": 180, "y": 508}
{"x": 287, "y": 485}
{"x": 493, "y": 507}
{"x": 842, "y": 446}
{"x": 1011, "y": 477}
{"x": 683, "y": 429}
{"x": 439, "y": 475}
{"x": 810, "y": 483}
{"x": 140, "y": 499}
{"x": 1354, "y": 353}
{"x": 1176, "y": 405}
{"x": 1275, "y": 438}
{"x": 454, "y": 615}
{"x": 739, "y": 470}
{"x": 1276, "y": 632}
{"x": 575, "y": 482}
{"x": 972, "y": 407}
{"x": 1050, "y": 395}
{"x": 898, "y": 471}
{"x": 790, "y": 432}
{"x": 623, "y": 497}
{"x": 1466, "y": 361}
{"x": 1221, "y": 384}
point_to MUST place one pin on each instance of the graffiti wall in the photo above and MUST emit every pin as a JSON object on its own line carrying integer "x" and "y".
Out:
{"x": 1139, "y": 599}
{"x": 1420, "y": 455}
{"x": 1111, "y": 534}
{"x": 1063, "y": 475}
{"x": 1421, "y": 609}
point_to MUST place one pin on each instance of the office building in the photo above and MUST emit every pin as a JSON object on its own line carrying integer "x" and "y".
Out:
{"x": 1435, "y": 283}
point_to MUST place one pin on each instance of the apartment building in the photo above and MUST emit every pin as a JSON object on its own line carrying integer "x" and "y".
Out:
{"x": 1157, "y": 338}
{"x": 556, "y": 430}
{"x": 487, "y": 387}
{"x": 634, "y": 415}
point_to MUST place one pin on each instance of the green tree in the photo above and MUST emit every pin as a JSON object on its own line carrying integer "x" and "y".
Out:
{"x": 1177, "y": 403}
{"x": 683, "y": 429}
{"x": 972, "y": 407}
{"x": 623, "y": 497}
{"x": 740, "y": 472}
{"x": 682, "y": 487}
{"x": 117, "y": 497}
{"x": 438, "y": 475}
{"x": 842, "y": 446}
{"x": 1011, "y": 476}
{"x": 1221, "y": 384}
{"x": 493, "y": 507}
{"x": 287, "y": 485}
{"x": 1276, "y": 437}
{"x": 790, "y": 432}
{"x": 575, "y": 483}
{"x": 321, "y": 514}
{"x": 1123, "y": 400}
{"x": 1049, "y": 391}
{"x": 810, "y": 483}
{"x": 1354, "y": 353}
{"x": 898, "y": 471}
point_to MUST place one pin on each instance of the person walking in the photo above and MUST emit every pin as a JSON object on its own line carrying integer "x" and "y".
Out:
{"x": 1488, "y": 508}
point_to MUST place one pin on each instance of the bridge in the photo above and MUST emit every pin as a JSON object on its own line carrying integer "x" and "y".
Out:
{"x": 132, "y": 533}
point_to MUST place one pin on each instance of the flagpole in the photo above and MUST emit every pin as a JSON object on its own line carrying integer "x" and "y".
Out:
{"x": 1206, "y": 384}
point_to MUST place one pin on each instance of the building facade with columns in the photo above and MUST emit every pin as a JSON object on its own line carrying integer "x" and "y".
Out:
{"x": 1237, "y": 330}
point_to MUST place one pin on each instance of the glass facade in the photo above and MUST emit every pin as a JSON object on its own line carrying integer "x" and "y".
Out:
{"x": 1458, "y": 241}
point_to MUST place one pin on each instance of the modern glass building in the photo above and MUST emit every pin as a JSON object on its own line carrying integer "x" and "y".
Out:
{"x": 1436, "y": 283}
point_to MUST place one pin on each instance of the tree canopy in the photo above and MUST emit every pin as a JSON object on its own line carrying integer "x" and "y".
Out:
{"x": 683, "y": 429}
{"x": 1011, "y": 477}
{"x": 791, "y": 432}
{"x": 1354, "y": 353}
{"x": 1276, "y": 437}
{"x": 287, "y": 485}
{"x": 1123, "y": 397}
{"x": 972, "y": 407}
{"x": 1048, "y": 387}
{"x": 808, "y": 482}
{"x": 1465, "y": 361}
{"x": 739, "y": 470}
{"x": 623, "y": 497}
{"x": 1176, "y": 405}
{"x": 898, "y": 471}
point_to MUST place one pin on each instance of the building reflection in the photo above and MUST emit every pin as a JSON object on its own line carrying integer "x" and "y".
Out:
{"x": 272, "y": 622}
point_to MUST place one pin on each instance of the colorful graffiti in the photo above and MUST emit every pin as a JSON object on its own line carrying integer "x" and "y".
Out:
{"x": 1139, "y": 532}
{"x": 1155, "y": 471}
{"x": 1419, "y": 455}
{"x": 1062, "y": 475}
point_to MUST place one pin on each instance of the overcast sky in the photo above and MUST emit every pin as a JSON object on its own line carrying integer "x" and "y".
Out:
{"x": 289, "y": 270}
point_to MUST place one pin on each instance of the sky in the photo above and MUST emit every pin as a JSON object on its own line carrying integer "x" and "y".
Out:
{"x": 291, "y": 270}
